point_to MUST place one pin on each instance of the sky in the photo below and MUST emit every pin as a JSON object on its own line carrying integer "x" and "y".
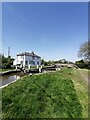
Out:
{"x": 52, "y": 30}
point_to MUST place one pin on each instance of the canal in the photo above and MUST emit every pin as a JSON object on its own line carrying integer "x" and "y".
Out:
{"x": 5, "y": 79}
{"x": 8, "y": 78}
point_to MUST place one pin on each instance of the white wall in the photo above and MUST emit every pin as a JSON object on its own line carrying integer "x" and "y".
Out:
{"x": 15, "y": 62}
{"x": 30, "y": 58}
{"x": 38, "y": 60}
{"x": 26, "y": 58}
{"x": 18, "y": 60}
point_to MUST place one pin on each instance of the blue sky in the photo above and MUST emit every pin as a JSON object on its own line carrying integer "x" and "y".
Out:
{"x": 52, "y": 30}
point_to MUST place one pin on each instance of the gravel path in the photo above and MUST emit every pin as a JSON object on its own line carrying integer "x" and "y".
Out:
{"x": 85, "y": 76}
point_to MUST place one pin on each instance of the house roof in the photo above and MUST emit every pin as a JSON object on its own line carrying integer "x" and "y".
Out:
{"x": 28, "y": 54}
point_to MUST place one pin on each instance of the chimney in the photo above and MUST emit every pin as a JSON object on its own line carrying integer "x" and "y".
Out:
{"x": 32, "y": 52}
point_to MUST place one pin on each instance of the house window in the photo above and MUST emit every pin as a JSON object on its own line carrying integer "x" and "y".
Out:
{"x": 26, "y": 62}
{"x": 32, "y": 62}
{"x": 33, "y": 57}
{"x": 38, "y": 63}
{"x": 29, "y": 62}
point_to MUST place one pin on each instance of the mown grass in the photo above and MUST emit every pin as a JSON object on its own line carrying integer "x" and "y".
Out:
{"x": 50, "y": 95}
{"x": 81, "y": 87}
{"x": 3, "y": 70}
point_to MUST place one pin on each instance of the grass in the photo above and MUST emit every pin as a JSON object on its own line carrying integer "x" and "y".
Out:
{"x": 3, "y": 70}
{"x": 81, "y": 87}
{"x": 53, "y": 95}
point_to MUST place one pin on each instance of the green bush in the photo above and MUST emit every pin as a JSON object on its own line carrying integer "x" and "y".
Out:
{"x": 83, "y": 64}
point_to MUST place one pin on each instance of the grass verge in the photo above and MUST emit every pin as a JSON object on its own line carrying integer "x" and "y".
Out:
{"x": 51, "y": 95}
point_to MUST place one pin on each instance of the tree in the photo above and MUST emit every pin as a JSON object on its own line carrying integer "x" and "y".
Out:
{"x": 6, "y": 62}
{"x": 46, "y": 63}
{"x": 42, "y": 61}
{"x": 84, "y": 51}
{"x": 82, "y": 64}
{"x": 49, "y": 62}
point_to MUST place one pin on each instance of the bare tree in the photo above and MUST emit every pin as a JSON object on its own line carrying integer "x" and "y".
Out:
{"x": 84, "y": 51}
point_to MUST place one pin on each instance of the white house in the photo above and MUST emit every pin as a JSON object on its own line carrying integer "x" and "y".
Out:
{"x": 26, "y": 59}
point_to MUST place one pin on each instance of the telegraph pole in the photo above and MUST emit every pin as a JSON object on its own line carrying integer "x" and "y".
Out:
{"x": 8, "y": 51}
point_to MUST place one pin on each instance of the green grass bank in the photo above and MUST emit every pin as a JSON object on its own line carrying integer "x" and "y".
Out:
{"x": 62, "y": 94}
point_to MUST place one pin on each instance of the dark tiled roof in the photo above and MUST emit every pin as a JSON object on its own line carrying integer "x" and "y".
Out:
{"x": 28, "y": 54}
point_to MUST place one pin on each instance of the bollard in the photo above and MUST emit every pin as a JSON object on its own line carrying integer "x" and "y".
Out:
{"x": 30, "y": 74}
{"x": 29, "y": 67}
{"x": 59, "y": 69}
{"x": 16, "y": 67}
{"x": 40, "y": 70}
{"x": 24, "y": 71}
{"x": 37, "y": 66}
{"x": 56, "y": 69}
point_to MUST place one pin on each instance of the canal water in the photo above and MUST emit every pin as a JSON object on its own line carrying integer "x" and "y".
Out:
{"x": 5, "y": 79}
